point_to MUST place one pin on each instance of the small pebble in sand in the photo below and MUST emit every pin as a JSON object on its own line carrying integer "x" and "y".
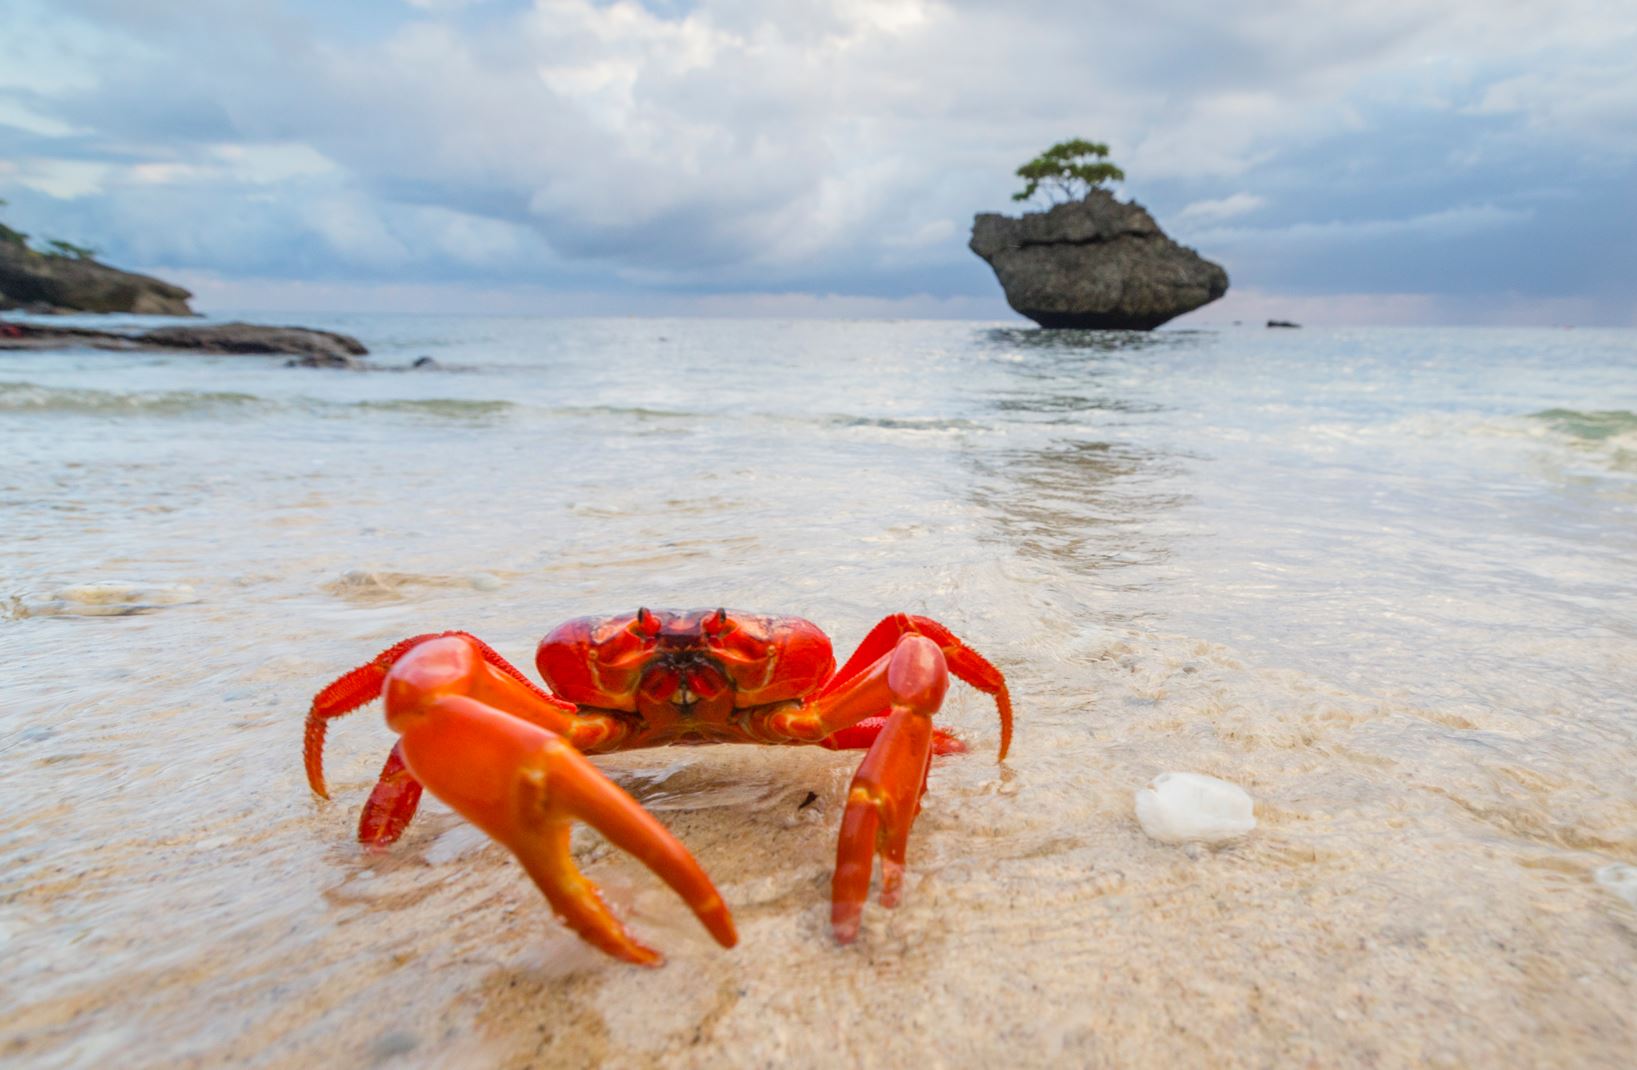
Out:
{"x": 1193, "y": 808}
{"x": 1620, "y": 879}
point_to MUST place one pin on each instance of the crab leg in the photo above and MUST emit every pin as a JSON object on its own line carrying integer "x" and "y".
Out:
{"x": 525, "y": 785}
{"x": 862, "y": 736}
{"x": 886, "y": 791}
{"x": 397, "y": 794}
{"x": 392, "y": 804}
{"x": 967, "y": 664}
{"x": 847, "y": 712}
{"x": 363, "y": 685}
{"x": 903, "y": 667}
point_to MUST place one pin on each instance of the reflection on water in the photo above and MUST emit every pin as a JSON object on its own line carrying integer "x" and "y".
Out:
{"x": 1083, "y": 503}
{"x": 1083, "y": 491}
{"x": 1067, "y": 406}
{"x": 1348, "y": 571}
{"x": 1085, "y": 343}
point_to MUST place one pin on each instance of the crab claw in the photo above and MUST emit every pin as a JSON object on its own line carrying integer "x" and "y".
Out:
{"x": 525, "y": 786}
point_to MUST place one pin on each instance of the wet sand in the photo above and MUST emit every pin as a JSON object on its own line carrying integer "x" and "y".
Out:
{"x": 1388, "y": 910}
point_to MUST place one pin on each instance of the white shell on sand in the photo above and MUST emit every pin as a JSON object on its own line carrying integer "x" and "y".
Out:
{"x": 1193, "y": 808}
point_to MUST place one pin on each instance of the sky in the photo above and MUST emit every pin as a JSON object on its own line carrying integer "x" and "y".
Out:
{"x": 1349, "y": 161}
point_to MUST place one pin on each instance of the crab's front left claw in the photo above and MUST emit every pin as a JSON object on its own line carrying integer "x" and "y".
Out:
{"x": 525, "y": 785}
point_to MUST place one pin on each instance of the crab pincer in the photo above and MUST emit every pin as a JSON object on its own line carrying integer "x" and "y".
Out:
{"x": 525, "y": 785}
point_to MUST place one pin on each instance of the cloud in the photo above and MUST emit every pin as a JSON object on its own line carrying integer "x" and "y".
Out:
{"x": 1228, "y": 207}
{"x": 1450, "y": 223}
{"x": 1593, "y": 103}
{"x": 231, "y": 295}
{"x": 442, "y": 5}
{"x": 793, "y": 146}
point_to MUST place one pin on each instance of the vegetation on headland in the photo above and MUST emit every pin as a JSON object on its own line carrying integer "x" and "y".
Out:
{"x": 9, "y": 236}
{"x": 1068, "y": 171}
{"x": 54, "y": 246}
{"x": 50, "y": 275}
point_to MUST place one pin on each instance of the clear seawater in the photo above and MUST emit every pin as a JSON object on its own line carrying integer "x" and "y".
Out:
{"x": 1386, "y": 580}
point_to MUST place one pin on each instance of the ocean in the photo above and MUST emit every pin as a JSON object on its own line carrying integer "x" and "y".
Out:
{"x": 1383, "y": 579}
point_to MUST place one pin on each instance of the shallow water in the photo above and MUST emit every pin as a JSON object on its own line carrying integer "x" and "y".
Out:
{"x": 1385, "y": 580}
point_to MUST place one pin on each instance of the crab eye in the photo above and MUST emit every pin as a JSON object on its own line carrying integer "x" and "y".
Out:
{"x": 717, "y": 622}
{"x": 645, "y": 623}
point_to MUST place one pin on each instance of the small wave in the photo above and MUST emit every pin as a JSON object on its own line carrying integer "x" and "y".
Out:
{"x": 26, "y": 397}
{"x": 1609, "y": 435}
{"x": 33, "y": 398}
{"x": 907, "y": 423}
{"x": 635, "y": 411}
{"x": 1594, "y": 426}
{"x": 447, "y": 408}
{"x": 1073, "y": 404}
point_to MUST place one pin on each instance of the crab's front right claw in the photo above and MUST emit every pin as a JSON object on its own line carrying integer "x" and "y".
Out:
{"x": 525, "y": 785}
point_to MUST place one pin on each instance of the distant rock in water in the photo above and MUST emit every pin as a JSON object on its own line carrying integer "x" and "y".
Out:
{"x": 1283, "y": 323}
{"x": 312, "y": 349}
{"x": 1095, "y": 264}
{"x": 41, "y": 282}
{"x": 318, "y": 348}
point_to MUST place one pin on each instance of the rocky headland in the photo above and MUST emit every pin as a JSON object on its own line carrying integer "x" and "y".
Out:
{"x": 72, "y": 281}
{"x": 32, "y": 281}
{"x": 306, "y": 348}
{"x": 1095, "y": 264}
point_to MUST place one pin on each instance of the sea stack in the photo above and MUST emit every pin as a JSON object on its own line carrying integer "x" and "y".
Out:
{"x": 1095, "y": 264}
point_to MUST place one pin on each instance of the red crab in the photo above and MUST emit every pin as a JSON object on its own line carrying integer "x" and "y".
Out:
{"x": 510, "y": 756}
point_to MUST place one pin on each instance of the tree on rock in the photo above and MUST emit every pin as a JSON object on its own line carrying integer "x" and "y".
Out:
{"x": 9, "y": 236}
{"x": 68, "y": 248}
{"x": 1068, "y": 170}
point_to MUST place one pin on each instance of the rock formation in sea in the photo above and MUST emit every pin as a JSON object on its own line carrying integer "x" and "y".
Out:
{"x": 43, "y": 282}
{"x": 1095, "y": 264}
{"x": 309, "y": 348}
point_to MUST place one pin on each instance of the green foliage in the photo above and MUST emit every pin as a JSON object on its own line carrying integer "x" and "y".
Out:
{"x": 68, "y": 248}
{"x": 56, "y": 246}
{"x": 1068, "y": 171}
{"x": 9, "y": 236}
